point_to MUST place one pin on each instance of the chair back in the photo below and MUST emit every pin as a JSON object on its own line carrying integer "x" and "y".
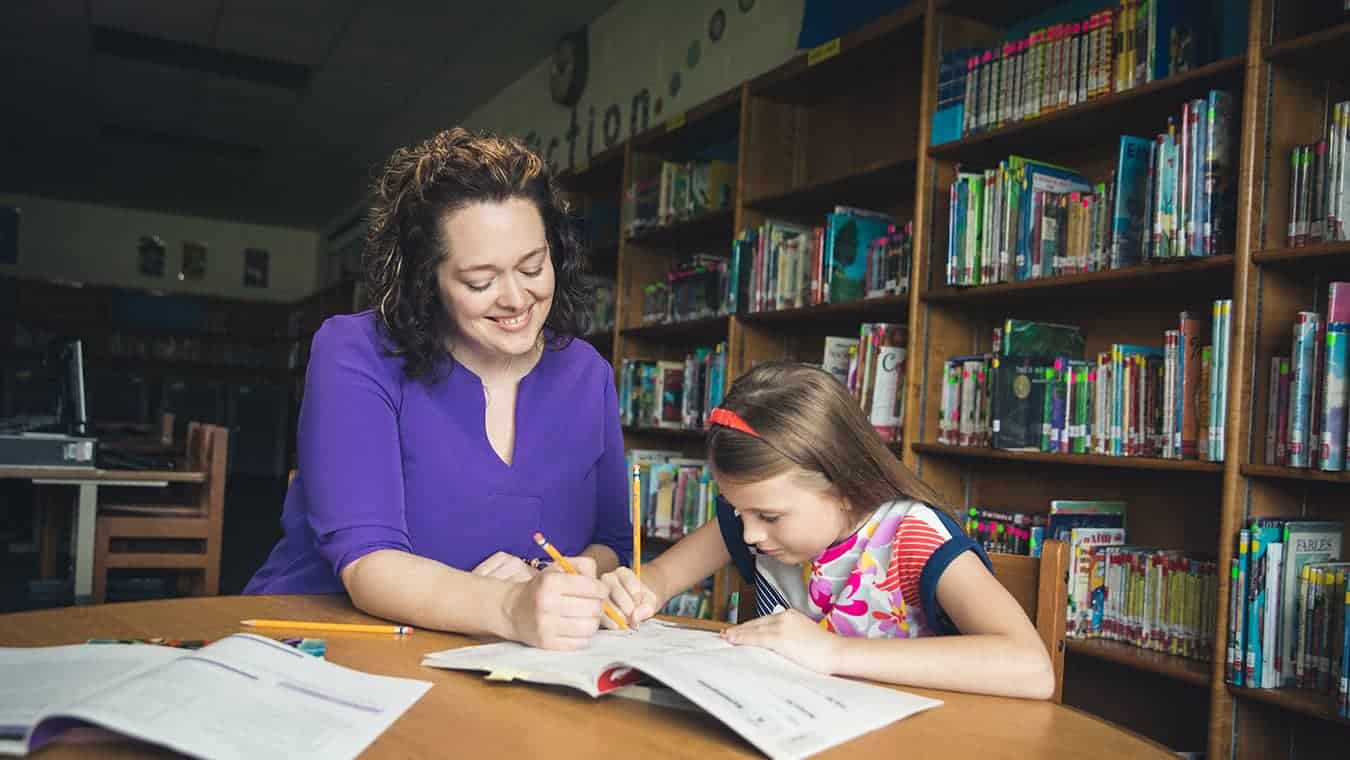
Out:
{"x": 1041, "y": 586}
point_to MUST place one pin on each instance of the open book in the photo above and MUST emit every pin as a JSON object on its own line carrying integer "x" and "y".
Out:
{"x": 244, "y": 696}
{"x": 783, "y": 709}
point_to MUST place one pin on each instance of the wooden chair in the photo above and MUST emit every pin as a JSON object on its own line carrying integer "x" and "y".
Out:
{"x": 1041, "y": 586}
{"x": 155, "y": 535}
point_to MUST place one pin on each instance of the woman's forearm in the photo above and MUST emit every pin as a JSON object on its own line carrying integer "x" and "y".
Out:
{"x": 424, "y": 593}
{"x": 955, "y": 663}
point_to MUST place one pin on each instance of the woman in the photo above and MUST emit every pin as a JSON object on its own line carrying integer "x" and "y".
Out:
{"x": 442, "y": 429}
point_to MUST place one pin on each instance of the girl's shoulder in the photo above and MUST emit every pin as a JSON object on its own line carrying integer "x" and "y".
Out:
{"x": 909, "y": 512}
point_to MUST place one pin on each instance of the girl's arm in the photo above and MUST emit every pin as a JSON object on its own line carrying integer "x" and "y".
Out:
{"x": 999, "y": 651}
{"x": 694, "y": 558}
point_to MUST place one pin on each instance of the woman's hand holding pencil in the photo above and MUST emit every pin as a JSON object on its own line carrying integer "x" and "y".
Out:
{"x": 556, "y": 610}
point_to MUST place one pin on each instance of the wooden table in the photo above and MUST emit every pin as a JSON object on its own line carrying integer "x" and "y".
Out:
{"x": 88, "y": 480}
{"x": 466, "y": 716}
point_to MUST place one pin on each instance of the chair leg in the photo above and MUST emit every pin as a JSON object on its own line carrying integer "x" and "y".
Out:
{"x": 49, "y": 546}
{"x": 102, "y": 545}
{"x": 211, "y": 580}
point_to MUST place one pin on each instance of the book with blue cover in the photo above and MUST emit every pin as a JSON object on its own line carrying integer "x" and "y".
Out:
{"x": 1130, "y": 214}
{"x": 848, "y": 238}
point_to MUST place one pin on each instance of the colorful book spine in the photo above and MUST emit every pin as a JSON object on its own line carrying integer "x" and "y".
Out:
{"x": 1331, "y": 453}
{"x": 1237, "y": 624}
{"x": 1301, "y": 391}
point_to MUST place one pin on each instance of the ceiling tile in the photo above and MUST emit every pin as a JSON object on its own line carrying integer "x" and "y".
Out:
{"x": 296, "y": 31}
{"x": 130, "y": 92}
{"x": 240, "y": 112}
{"x": 182, "y": 20}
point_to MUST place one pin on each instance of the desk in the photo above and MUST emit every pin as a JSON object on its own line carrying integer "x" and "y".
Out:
{"x": 88, "y": 480}
{"x": 466, "y": 716}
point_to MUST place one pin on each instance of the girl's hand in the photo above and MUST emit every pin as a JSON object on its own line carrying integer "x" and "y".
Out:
{"x": 791, "y": 634}
{"x": 507, "y": 567}
{"x": 630, "y": 597}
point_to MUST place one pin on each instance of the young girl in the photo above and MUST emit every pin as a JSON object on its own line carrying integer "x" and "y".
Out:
{"x": 855, "y": 573}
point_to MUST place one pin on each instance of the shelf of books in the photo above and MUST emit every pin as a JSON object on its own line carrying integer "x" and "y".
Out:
{"x": 594, "y": 192}
{"x": 677, "y": 213}
{"x": 1075, "y": 293}
{"x": 1084, "y": 263}
{"x": 1286, "y": 624}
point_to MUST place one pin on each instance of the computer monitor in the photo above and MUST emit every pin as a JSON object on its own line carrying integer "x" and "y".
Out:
{"x": 68, "y": 368}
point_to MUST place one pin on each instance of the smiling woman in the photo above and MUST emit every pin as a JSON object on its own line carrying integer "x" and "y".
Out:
{"x": 440, "y": 431}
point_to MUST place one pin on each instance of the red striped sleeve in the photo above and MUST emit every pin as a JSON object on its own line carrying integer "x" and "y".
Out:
{"x": 914, "y": 543}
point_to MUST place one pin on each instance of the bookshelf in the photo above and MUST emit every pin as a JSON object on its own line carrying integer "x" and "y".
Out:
{"x": 1193, "y": 672}
{"x": 1300, "y": 75}
{"x": 850, "y": 123}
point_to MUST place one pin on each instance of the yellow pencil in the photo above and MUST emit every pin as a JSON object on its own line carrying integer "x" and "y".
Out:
{"x": 637, "y": 521}
{"x": 567, "y": 567}
{"x": 304, "y": 625}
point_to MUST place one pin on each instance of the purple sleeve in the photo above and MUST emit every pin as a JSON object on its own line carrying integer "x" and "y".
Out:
{"x": 613, "y": 525}
{"x": 348, "y": 439}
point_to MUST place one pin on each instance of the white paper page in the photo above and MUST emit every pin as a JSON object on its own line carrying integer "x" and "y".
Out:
{"x": 579, "y": 669}
{"x": 35, "y": 679}
{"x": 250, "y": 697}
{"x": 783, "y": 709}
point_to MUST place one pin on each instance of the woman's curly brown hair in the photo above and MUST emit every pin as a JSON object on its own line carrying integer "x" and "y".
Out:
{"x": 422, "y": 183}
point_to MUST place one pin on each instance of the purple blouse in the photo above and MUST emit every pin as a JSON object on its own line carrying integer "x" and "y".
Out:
{"x": 392, "y": 463}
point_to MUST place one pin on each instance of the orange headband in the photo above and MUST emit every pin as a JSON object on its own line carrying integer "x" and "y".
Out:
{"x": 728, "y": 418}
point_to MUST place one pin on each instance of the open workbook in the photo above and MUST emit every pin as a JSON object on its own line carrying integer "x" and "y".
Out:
{"x": 244, "y": 696}
{"x": 783, "y": 709}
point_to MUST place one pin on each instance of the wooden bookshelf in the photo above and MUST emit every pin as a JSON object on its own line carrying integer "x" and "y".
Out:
{"x": 850, "y": 124}
{"x": 1319, "y": 253}
{"x": 1155, "y": 276}
{"x": 1194, "y": 672}
{"x": 996, "y": 14}
{"x": 1324, "y": 53}
{"x": 1289, "y": 96}
{"x": 1141, "y": 110}
{"x": 709, "y": 328}
{"x": 882, "y": 308}
{"x": 1070, "y": 460}
{"x": 1303, "y": 701}
{"x": 1294, "y": 473}
{"x": 817, "y": 74}
{"x": 876, "y": 179}
{"x": 708, "y": 228}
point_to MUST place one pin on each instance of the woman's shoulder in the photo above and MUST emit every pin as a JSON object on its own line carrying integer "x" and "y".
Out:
{"x": 353, "y": 340}
{"x": 579, "y": 359}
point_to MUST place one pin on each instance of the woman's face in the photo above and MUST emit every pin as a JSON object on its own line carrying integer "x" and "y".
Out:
{"x": 497, "y": 278}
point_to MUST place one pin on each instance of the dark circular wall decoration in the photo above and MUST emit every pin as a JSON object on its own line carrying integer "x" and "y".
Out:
{"x": 675, "y": 84}
{"x": 745, "y": 5}
{"x": 717, "y": 25}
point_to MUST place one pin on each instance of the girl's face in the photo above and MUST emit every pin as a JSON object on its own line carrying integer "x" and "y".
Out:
{"x": 792, "y": 517}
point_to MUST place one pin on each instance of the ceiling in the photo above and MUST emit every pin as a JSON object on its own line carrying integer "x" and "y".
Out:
{"x": 263, "y": 111}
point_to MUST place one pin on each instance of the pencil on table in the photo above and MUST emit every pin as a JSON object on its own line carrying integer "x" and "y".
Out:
{"x": 305, "y": 625}
{"x": 567, "y": 567}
